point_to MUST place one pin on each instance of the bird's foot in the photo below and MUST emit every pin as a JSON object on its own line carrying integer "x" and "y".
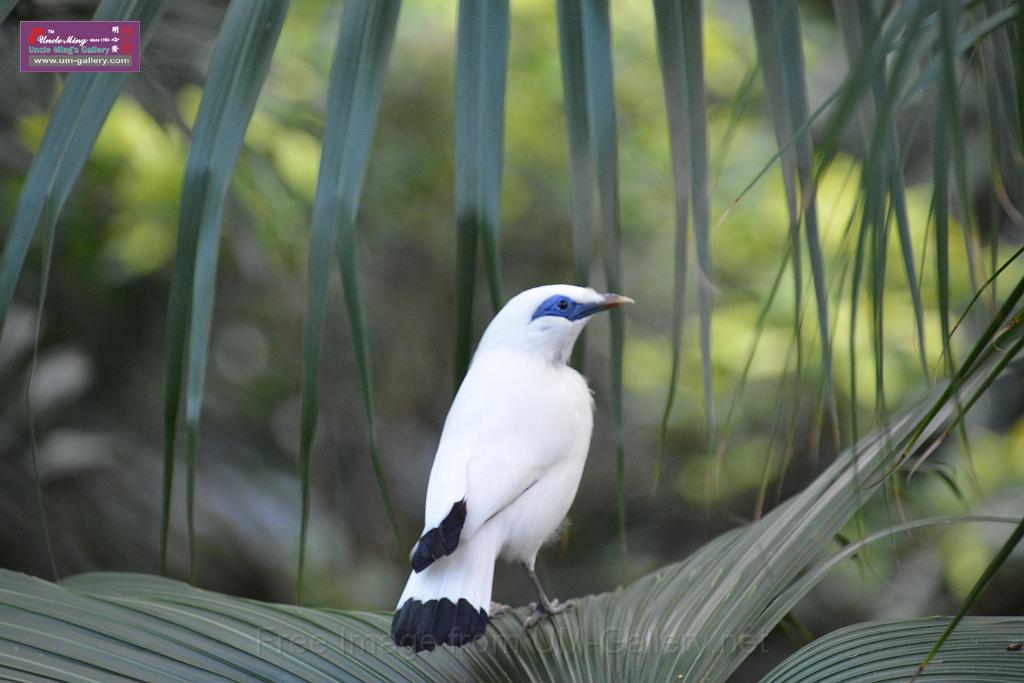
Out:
{"x": 497, "y": 609}
{"x": 550, "y": 609}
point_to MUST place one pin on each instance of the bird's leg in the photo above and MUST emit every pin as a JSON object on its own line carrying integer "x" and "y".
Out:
{"x": 544, "y": 607}
{"x": 498, "y": 608}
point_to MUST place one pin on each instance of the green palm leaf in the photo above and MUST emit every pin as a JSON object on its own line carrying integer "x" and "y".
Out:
{"x": 1002, "y": 126}
{"x": 940, "y": 182}
{"x": 6, "y": 7}
{"x": 238, "y": 69}
{"x": 597, "y": 50}
{"x": 581, "y": 155}
{"x": 883, "y": 173}
{"x": 479, "y": 129}
{"x": 983, "y": 649}
{"x": 353, "y": 102}
{"x": 780, "y": 50}
{"x": 680, "y": 47}
{"x": 976, "y": 591}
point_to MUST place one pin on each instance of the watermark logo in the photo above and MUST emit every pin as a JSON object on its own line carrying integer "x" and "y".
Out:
{"x": 609, "y": 642}
{"x": 70, "y": 46}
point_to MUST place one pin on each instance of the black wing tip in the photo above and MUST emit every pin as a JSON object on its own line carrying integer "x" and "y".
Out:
{"x": 441, "y": 540}
{"x": 423, "y": 556}
{"x": 425, "y": 625}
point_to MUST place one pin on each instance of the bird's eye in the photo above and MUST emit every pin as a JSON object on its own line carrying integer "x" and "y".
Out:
{"x": 562, "y": 304}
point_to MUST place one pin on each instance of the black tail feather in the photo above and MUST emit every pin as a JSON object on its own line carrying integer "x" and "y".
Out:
{"x": 441, "y": 540}
{"x": 425, "y": 625}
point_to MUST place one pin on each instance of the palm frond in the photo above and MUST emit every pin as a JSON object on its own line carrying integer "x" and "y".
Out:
{"x": 780, "y": 50}
{"x": 597, "y": 48}
{"x": 49, "y": 235}
{"x": 585, "y": 32}
{"x": 479, "y": 133}
{"x": 6, "y": 7}
{"x": 857, "y": 22}
{"x": 353, "y": 102}
{"x": 581, "y": 155}
{"x": 238, "y": 69}
{"x": 976, "y": 591}
{"x": 680, "y": 48}
{"x": 889, "y": 651}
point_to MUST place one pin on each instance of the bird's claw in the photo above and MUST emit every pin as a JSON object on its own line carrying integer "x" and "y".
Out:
{"x": 540, "y": 610}
{"x": 497, "y": 609}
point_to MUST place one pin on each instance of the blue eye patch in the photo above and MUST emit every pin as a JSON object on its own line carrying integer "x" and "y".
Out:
{"x": 561, "y": 306}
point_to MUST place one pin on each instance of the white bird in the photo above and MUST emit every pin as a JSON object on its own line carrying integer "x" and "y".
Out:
{"x": 507, "y": 467}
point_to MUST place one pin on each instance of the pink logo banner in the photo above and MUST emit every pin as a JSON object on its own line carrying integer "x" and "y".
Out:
{"x": 70, "y": 46}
